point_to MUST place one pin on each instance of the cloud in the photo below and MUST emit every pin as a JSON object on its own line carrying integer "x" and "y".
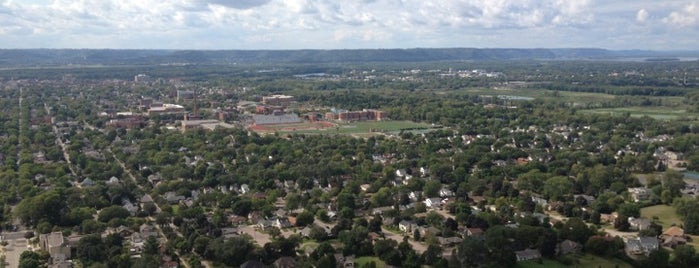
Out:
{"x": 641, "y": 15}
{"x": 687, "y": 16}
{"x": 237, "y": 4}
{"x": 213, "y": 24}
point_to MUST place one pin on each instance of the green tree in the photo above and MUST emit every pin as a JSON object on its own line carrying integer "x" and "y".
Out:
{"x": 557, "y": 187}
{"x": 685, "y": 256}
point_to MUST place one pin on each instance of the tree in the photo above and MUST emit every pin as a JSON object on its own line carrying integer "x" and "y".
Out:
{"x": 91, "y": 249}
{"x": 472, "y": 252}
{"x": 656, "y": 259}
{"x": 113, "y": 212}
{"x": 629, "y": 210}
{"x": 576, "y": 230}
{"x": 433, "y": 254}
{"x": 304, "y": 218}
{"x": 557, "y": 187}
{"x": 31, "y": 259}
{"x": 685, "y": 256}
{"x": 673, "y": 182}
{"x": 431, "y": 188}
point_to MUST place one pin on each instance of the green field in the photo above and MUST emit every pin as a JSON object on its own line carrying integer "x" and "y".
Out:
{"x": 581, "y": 261}
{"x": 367, "y": 128}
{"x": 361, "y": 261}
{"x": 666, "y": 215}
{"x": 661, "y": 113}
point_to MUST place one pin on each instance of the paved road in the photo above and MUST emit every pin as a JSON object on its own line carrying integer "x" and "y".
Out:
{"x": 160, "y": 231}
{"x": 15, "y": 246}
{"x": 417, "y": 246}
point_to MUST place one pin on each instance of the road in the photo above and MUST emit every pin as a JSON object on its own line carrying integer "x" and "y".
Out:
{"x": 60, "y": 143}
{"x": 19, "y": 125}
{"x": 160, "y": 231}
{"x": 16, "y": 244}
{"x": 417, "y": 246}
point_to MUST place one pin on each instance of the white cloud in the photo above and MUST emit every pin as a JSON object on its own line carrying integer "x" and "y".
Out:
{"x": 687, "y": 16}
{"x": 641, "y": 15}
{"x": 342, "y": 24}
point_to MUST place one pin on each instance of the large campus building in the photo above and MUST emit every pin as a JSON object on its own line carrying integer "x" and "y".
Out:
{"x": 273, "y": 119}
{"x": 278, "y": 100}
{"x": 366, "y": 114}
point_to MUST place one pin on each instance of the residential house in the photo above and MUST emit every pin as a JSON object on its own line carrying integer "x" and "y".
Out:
{"x": 229, "y": 232}
{"x": 406, "y": 226}
{"x": 284, "y": 262}
{"x": 147, "y": 230}
{"x": 281, "y": 223}
{"x": 130, "y": 207}
{"x": 449, "y": 241}
{"x": 343, "y": 261}
{"x": 173, "y": 198}
{"x": 424, "y": 172}
{"x": 428, "y": 231}
{"x": 381, "y": 210}
{"x": 446, "y": 192}
{"x": 253, "y": 264}
{"x": 639, "y": 224}
{"x": 527, "y": 254}
{"x": 87, "y": 183}
{"x": 155, "y": 178}
{"x": 608, "y": 218}
{"x": 414, "y": 196}
{"x": 641, "y": 245}
{"x": 401, "y": 173}
{"x": 540, "y": 201}
{"x": 434, "y": 202}
{"x": 475, "y": 233}
{"x": 639, "y": 193}
{"x": 57, "y": 247}
{"x": 113, "y": 180}
{"x": 244, "y": 189}
{"x": 568, "y": 247}
{"x": 673, "y": 237}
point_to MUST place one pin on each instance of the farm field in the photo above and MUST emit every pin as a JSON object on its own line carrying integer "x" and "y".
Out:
{"x": 363, "y": 128}
{"x": 660, "y": 113}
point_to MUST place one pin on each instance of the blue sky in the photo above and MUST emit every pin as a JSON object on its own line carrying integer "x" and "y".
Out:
{"x": 349, "y": 24}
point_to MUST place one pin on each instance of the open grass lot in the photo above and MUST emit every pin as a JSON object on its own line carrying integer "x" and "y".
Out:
{"x": 661, "y": 113}
{"x": 360, "y": 262}
{"x": 666, "y": 215}
{"x": 564, "y": 96}
{"x": 364, "y": 128}
{"x": 582, "y": 261}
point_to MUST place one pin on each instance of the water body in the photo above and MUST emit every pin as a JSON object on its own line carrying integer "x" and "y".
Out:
{"x": 691, "y": 175}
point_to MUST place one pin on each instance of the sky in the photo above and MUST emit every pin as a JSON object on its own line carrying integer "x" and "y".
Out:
{"x": 349, "y": 24}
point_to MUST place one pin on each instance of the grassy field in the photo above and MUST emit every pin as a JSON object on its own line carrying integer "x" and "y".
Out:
{"x": 661, "y": 113}
{"x": 666, "y": 215}
{"x": 366, "y": 128}
{"x": 582, "y": 261}
{"x": 361, "y": 261}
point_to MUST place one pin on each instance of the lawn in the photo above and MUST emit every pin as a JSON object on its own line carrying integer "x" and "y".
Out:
{"x": 367, "y": 127}
{"x": 666, "y": 215}
{"x": 588, "y": 260}
{"x": 581, "y": 261}
{"x": 361, "y": 261}
{"x": 661, "y": 113}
